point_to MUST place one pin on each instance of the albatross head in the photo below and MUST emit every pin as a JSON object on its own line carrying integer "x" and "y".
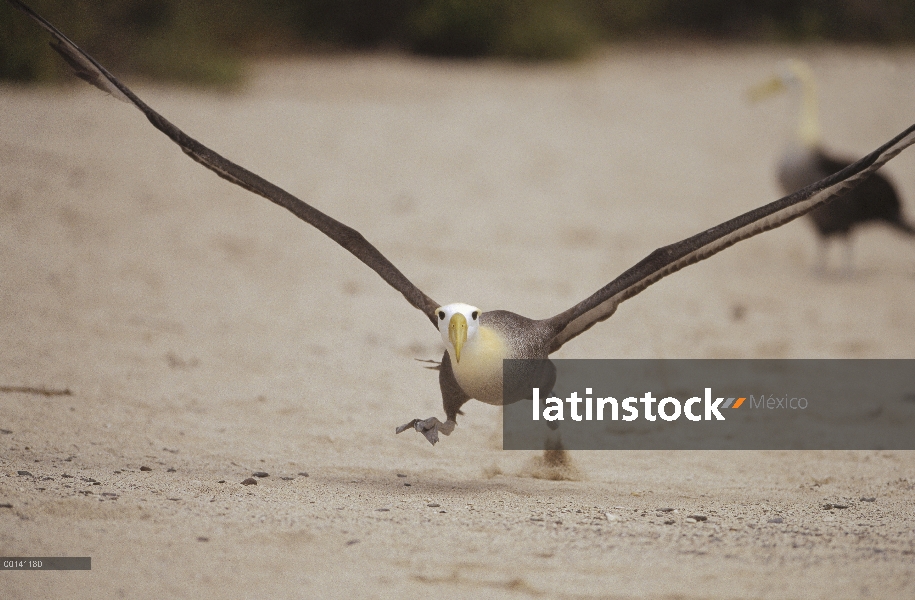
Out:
{"x": 795, "y": 75}
{"x": 458, "y": 323}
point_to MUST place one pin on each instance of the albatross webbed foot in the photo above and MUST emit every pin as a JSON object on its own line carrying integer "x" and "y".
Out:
{"x": 430, "y": 428}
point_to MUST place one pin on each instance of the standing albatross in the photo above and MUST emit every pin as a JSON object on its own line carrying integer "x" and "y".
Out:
{"x": 476, "y": 342}
{"x": 806, "y": 162}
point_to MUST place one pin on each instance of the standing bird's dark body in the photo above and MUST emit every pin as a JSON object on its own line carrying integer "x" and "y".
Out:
{"x": 875, "y": 199}
{"x": 806, "y": 162}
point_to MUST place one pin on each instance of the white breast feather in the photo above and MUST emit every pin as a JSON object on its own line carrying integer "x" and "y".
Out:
{"x": 480, "y": 371}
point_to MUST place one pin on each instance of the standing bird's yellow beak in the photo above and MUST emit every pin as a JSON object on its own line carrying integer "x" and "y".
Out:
{"x": 457, "y": 333}
{"x": 767, "y": 88}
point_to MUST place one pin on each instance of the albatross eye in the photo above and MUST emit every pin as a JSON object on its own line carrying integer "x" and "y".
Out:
{"x": 475, "y": 314}
{"x": 441, "y": 315}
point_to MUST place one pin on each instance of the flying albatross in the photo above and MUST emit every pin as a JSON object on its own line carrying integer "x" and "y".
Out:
{"x": 806, "y": 162}
{"x": 476, "y": 342}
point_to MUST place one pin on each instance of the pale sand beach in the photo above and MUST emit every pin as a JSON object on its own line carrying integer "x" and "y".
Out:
{"x": 205, "y": 334}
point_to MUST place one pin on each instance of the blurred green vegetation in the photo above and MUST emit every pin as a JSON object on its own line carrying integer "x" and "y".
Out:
{"x": 203, "y": 41}
{"x": 198, "y": 41}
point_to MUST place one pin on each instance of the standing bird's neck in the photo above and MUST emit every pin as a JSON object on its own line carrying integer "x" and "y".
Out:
{"x": 808, "y": 126}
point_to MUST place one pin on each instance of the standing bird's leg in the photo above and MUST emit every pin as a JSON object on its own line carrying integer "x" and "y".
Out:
{"x": 849, "y": 256}
{"x": 819, "y": 269}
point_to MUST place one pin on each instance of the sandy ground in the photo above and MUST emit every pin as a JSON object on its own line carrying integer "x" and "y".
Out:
{"x": 206, "y": 334}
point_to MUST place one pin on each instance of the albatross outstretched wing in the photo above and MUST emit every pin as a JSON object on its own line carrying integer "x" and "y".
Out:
{"x": 669, "y": 259}
{"x": 87, "y": 68}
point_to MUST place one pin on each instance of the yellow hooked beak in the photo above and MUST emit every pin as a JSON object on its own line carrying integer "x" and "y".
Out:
{"x": 770, "y": 87}
{"x": 457, "y": 333}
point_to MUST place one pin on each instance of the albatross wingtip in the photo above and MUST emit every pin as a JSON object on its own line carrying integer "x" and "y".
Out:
{"x": 83, "y": 65}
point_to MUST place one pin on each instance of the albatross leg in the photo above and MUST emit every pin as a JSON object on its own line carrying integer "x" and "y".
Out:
{"x": 453, "y": 398}
{"x": 819, "y": 269}
{"x": 849, "y": 256}
{"x": 430, "y": 428}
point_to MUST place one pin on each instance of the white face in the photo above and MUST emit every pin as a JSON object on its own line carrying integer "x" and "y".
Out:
{"x": 446, "y": 313}
{"x": 795, "y": 73}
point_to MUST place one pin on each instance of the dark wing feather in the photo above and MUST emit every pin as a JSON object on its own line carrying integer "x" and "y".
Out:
{"x": 669, "y": 259}
{"x": 88, "y": 69}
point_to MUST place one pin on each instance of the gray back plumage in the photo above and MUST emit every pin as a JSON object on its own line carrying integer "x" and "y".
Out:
{"x": 527, "y": 338}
